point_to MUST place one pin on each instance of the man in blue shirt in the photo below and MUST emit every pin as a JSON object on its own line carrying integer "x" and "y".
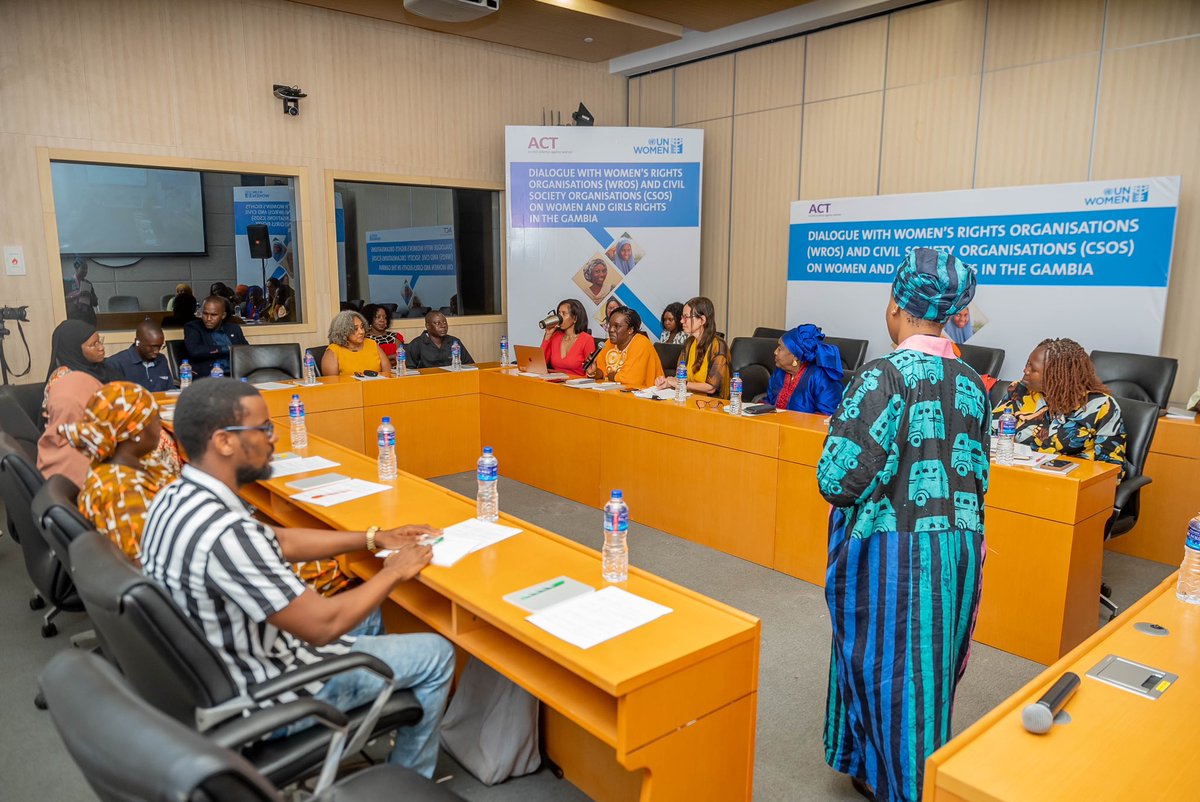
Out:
{"x": 143, "y": 362}
{"x": 208, "y": 340}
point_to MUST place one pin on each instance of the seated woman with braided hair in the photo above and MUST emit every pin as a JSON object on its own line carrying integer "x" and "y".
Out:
{"x": 1063, "y": 408}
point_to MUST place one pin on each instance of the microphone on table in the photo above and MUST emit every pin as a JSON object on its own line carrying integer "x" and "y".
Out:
{"x": 1039, "y": 716}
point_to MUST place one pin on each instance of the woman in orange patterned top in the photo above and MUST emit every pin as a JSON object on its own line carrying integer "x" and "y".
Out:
{"x": 121, "y": 434}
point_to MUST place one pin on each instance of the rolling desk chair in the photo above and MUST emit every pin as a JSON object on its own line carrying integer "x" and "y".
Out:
{"x": 669, "y": 354}
{"x": 176, "y": 353}
{"x": 1137, "y": 376}
{"x": 318, "y": 352}
{"x": 158, "y": 758}
{"x": 982, "y": 359}
{"x": 753, "y": 358}
{"x": 854, "y": 352}
{"x": 1141, "y": 420}
{"x": 764, "y": 331}
{"x": 264, "y": 363}
{"x": 171, "y": 665}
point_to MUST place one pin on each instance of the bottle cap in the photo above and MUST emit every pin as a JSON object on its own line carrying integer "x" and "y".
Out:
{"x": 295, "y": 396}
{"x": 487, "y": 449}
{"x": 386, "y": 419}
{"x": 737, "y": 375}
{"x": 184, "y": 362}
{"x": 618, "y": 494}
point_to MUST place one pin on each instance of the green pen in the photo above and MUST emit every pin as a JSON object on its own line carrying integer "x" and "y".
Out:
{"x": 426, "y": 540}
{"x": 551, "y": 586}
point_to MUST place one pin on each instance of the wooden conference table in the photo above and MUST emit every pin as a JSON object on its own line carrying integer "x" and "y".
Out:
{"x": 1117, "y": 747}
{"x": 664, "y": 712}
{"x": 745, "y": 486}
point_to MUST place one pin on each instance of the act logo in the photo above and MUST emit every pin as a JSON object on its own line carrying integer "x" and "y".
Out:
{"x": 820, "y": 208}
{"x": 543, "y": 143}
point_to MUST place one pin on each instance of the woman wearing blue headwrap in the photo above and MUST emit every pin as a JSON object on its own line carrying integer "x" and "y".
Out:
{"x": 621, "y": 255}
{"x": 808, "y": 372}
{"x": 905, "y": 467}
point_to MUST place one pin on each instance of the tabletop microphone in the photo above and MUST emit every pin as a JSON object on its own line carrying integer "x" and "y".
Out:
{"x": 1039, "y": 716}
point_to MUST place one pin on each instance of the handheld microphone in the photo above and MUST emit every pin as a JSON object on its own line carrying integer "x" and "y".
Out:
{"x": 587, "y": 363}
{"x": 1039, "y": 717}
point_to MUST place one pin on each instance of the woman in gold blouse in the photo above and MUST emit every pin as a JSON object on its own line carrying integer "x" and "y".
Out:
{"x": 704, "y": 352}
{"x": 626, "y": 357}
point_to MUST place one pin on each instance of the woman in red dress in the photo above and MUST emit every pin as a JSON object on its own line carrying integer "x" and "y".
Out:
{"x": 569, "y": 344}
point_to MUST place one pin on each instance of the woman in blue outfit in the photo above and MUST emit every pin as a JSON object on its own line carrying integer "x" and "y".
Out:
{"x": 905, "y": 467}
{"x": 808, "y": 372}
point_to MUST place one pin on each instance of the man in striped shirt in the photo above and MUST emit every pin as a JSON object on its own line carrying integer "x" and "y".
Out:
{"x": 230, "y": 573}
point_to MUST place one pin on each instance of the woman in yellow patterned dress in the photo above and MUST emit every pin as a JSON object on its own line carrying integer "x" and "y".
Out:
{"x": 627, "y": 357}
{"x": 122, "y": 436}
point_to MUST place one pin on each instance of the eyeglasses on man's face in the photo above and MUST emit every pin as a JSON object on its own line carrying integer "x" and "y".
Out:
{"x": 267, "y": 428}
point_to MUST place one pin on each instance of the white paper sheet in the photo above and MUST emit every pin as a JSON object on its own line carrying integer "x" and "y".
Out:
{"x": 593, "y": 618}
{"x": 328, "y": 495}
{"x": 288, "y": 467}
{"x": 602, "y": 386}
{"x": 661, "y": 393}
{"x": 543, "y": 375}
{"x": 460, "y": 539}
{"x": 457, "y": 370}
{"x": 274, "y": 386}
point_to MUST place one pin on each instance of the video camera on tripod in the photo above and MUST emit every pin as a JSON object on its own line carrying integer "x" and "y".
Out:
{"x": 17, "y": 313}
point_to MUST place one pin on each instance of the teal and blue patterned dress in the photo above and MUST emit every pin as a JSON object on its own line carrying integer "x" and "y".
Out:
{"x": 905, "y": 467}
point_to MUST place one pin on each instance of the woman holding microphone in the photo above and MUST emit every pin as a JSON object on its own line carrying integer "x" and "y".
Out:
{"x": 567, "y": 344}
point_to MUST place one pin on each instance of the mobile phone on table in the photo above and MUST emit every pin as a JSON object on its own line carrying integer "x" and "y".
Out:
{"x": 1056, "y": 466}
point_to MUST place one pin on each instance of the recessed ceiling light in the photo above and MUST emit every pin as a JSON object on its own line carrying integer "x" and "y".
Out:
{"x": 587, "y": 40}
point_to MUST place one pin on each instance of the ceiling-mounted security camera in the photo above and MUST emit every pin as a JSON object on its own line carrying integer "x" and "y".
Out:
{"x": 290, "y": 95}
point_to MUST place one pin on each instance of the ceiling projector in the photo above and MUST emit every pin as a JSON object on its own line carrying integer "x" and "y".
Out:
{"x": 451, "y": 10}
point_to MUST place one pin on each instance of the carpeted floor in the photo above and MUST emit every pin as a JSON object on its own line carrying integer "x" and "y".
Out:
{"x": 789, "y": 764}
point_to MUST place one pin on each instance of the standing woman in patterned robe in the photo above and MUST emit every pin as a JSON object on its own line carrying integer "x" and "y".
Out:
{"x": 905, "y": 467}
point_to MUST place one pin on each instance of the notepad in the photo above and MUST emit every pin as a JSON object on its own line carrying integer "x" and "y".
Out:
{"x": 287, "y": 467}
{"x": 593, "y": 618}
{"x": 273, "y": 386}
{"x": 545, "y": 595}
{"x": 340, "y": 492}
{"x": 661, "y": 393}
{"x": 456, "y": 370}
{"x": 460, "y": 539}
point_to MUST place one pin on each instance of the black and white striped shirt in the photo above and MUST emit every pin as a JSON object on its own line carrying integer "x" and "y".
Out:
{"x": 227, "y": 572}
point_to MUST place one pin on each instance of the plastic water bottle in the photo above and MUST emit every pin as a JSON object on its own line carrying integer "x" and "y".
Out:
{"x": 681, "y": 383}
{"x": 401, "y": 368}
{"x": 1006, "y": 433}
{"x": 185, "y": 375}
{"x": 455, "y": 356}
{"x": 616, "y": 543}
{"x": 1189, "y": 573}
{"x": 386, "y": 434}
{"x": 735, "y": 394}
{"x": 504, "y": 351}
{"x": 216, "y": 372}
{"x": 299, "y": 426}
{"x": 487, "y": 498}
{"x": 310, "y": 368}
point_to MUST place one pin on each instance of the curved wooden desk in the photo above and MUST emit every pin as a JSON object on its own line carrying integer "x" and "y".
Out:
{"x": 1118, "y": 746}
{"x": 664, "y": 712}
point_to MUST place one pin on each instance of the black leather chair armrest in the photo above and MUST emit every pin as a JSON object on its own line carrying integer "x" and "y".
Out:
{"x": 316, "y": 672}
{"x": 1127, "y": 489}
{"x": 264, "y": 721}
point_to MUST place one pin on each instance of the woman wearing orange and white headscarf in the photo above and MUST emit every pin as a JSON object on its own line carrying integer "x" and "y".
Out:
{"x": 122, "y": 436}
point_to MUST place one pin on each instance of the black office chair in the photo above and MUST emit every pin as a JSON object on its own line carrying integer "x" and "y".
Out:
{"x": 998, "y": 393}
{"x": 1141, "y": 420}
{"x": 57, "y": 517}
{"x": 388, "y": 306}
{"x": 853, "y": 352}
{"x": 171, "y": 664}
{"x": 769, "y": 333}
{"x": 669, "y": 354}
{"x": 318, "y": 352}
{"x": 356, "y": 304}
{"x": 176, "y": 353}
{"x": 753, "y": 358}
{"x": 983, "y": 360}
{"x": 157, "y": 758}
{"x": 1137, "y": 376}
{"x": 266, "y": 363}
{"x": 15, "y": 423}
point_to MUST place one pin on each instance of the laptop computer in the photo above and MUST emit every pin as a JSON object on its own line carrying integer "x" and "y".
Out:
{"x": 530, "y": 359}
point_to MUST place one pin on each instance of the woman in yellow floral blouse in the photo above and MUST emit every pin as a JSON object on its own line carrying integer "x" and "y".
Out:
{"x": 1063, "y": 408}
{"x": 122, "y": 436}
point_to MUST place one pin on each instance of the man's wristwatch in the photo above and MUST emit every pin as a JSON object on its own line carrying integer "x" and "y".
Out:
{"x": 371, "y": 547}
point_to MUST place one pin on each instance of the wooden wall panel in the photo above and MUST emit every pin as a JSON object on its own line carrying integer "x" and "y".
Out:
{"x": 1135, "y": 22}
{"x": 841, "y": 147}
{"x": 935, "y": 41}
{"x": 714, "y": 213}
{"x": 633, "y": 103}
{"x": 1036, "y": 123}
{"x": 769, "y": 77}
{"x": 929, "y": 136}
{"x": 190, "y": 80}
{"x": 1028, "y": 31}
{"x": 847, "y": 60}
{"x": 1147, "y": 125}
{"x": 766, "y": 160}
{"x": 658, "y": 99}
{"x": 704, "y": 90}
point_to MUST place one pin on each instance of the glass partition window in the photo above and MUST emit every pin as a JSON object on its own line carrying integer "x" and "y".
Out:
{"x": 420, "y": 248}
{"x": 144, "y": 241}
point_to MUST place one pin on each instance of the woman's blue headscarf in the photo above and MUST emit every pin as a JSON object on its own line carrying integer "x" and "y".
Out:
{"x": 807, "y": 343}
{"x": 931, "y": 285}
{"x": 624, "y": 265}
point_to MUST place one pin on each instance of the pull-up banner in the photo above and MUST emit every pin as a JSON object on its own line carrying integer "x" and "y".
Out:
{"x": 595, "y": 213}
{"x": 1088, "y": 261}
